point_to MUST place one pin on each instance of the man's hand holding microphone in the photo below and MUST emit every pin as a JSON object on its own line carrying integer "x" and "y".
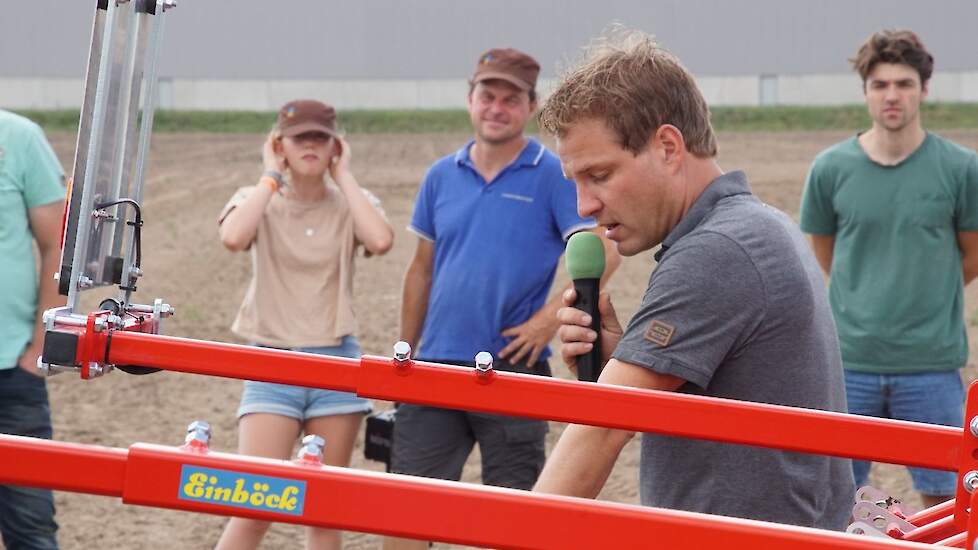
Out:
{"x": 589, "y": 328}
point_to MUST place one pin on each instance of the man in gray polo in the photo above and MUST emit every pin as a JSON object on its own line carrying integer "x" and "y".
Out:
{"x": 736, "y": 307}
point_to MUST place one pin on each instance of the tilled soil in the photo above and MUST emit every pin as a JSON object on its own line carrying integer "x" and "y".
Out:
{"x": 191, "y": 176}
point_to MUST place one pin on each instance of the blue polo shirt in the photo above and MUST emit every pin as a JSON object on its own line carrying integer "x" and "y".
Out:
{"x": 497, "y": 246}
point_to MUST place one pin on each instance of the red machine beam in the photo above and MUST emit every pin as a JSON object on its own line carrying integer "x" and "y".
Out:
{"x": 671, "y": 413}
{"x": 932, "y": 514}
{"x": 233, "y": 361}
{"x": 374, "y": 502}
{"x": 62, "y": 466}
{"x": 731, "y": 421}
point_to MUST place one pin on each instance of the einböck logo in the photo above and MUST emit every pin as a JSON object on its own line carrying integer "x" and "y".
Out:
{"x": 269, "y": 494}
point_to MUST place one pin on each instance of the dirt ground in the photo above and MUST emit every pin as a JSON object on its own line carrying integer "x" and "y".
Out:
{"x": 190, "y": 178}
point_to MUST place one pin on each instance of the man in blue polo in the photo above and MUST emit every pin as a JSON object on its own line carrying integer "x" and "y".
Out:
{"x": 492, "y": 221}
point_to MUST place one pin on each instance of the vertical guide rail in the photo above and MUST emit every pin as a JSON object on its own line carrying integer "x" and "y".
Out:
{"x": 150, "y": 22}
{"x": 89, "y": 125}
{"x": 112, "y": 148}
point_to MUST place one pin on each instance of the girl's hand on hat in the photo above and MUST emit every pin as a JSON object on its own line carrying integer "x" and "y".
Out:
{"x": 340, "y": 164}
{"x": 271, "y": 154}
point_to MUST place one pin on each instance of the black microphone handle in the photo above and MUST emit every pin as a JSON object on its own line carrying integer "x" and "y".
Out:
{"x": 589, "y": 365}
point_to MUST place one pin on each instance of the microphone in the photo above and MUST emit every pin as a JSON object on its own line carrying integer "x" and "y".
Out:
{"x": 585, "y": 264}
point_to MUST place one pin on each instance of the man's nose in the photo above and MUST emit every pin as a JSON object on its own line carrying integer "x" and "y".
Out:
{"x": 587, "y": 203}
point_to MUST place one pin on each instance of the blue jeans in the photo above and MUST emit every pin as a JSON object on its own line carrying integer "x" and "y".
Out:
{"x": 26, "y": 513}
{"x": 930, "y": 397}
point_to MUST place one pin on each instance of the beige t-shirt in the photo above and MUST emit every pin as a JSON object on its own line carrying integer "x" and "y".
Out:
{"x": 301, "y": 291}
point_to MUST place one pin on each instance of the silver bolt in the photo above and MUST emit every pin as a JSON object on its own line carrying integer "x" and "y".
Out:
{"x": 971, "y": 481}
{"x": 100, "y": 324}
{"x": 95, "y": 370}
{"x": 50, "y": 370}
{"x": 973, "y": 425}
{"x": 84, "y": 282}
{"x": 312, "y": 449}
{"x": 135, "y": 272}
{"x": 402, "y": 351}
{"x": 483, "y": 362}
{"x": 167, "y": 310}
{"x": 198, "y": 434}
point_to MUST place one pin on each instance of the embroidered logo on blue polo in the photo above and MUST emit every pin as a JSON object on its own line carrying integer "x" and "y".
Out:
{"x": 514, "y": 196}
{"x": 241, "y": 490}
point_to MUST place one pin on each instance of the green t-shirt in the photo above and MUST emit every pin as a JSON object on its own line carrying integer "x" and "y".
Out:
{"x": 30, "y": 176}
{"x": 896, "y": 282}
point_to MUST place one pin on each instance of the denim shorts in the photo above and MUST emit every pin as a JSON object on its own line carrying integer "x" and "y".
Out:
{"x": 930, "y": 397}
{"x": 300, "y": 402}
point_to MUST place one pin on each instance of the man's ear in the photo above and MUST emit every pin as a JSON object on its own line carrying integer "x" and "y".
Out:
{"x": 670, "y": 144}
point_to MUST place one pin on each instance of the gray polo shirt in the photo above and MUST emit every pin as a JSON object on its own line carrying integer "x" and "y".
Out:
{"x": 737, "y": 307}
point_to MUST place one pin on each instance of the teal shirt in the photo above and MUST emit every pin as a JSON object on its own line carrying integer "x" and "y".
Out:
{"x": 896, "y": 285}
{"x": 30, "y": 176}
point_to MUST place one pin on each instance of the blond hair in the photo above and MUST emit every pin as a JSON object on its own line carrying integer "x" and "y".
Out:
{"x": 635, "y": 86}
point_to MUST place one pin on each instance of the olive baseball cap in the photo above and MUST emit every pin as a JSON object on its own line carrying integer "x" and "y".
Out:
{"x": 513, "y": 66}
{"x": 306, "y": 115}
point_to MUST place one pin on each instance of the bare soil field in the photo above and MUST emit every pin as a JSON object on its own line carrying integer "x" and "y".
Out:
{"x": 191, "y": 176}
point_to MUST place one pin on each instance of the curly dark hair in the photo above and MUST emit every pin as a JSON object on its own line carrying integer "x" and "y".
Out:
{"x": 901, "y": 47}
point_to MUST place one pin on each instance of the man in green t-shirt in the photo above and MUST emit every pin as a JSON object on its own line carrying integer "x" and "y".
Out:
{"x": 31, "y": 205}
{"x": 893, "y": 215}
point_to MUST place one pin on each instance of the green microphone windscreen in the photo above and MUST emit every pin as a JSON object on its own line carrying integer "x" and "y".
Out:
{"x": 585, "y": 256}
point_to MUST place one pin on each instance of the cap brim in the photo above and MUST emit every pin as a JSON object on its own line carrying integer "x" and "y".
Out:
{"x": 292, "y": 131}
{"x": 521, "y": 84}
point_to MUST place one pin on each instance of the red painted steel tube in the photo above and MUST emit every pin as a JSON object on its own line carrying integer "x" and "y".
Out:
{"x": 932, "y": 514}
{"x": 934, "y": 531}
{"x": 955, "y": 541}
{"x": 233, "y": 361}
{"x": 374, "y": 502}
{"x": 788, "y": 428}
{"x": 469, "y": 514}
{"x": 964, "y": 499}
{"x": 970, "y": 520}
{"x": 760, "y": 424}
{"x": 62, "y": 466}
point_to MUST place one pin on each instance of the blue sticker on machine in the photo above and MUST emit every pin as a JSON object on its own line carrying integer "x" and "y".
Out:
{"x": 254, "y": 492}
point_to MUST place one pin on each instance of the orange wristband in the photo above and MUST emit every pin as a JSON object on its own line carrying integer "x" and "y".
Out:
{"x": 270, "y": 181}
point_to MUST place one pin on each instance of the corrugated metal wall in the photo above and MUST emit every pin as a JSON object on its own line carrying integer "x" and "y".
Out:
{"x": 437, "y": 39}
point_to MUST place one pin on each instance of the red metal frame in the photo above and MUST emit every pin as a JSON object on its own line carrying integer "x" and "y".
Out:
{"x": 618, "y": 407}
{"x": 724, "y": 420}
{"x": 391, "y": 504}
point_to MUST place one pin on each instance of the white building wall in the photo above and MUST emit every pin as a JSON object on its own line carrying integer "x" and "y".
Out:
{"x": 253, "y": 54}
{"x": 268, "y": 95}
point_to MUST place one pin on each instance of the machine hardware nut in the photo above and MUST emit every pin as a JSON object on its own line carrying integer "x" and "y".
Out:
{"x": 402, "y": 351}
{"x": 483, "y": 362}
